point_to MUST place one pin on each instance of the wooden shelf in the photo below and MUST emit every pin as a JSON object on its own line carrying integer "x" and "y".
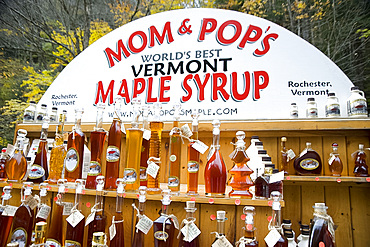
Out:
{"x": 342, "y": 179}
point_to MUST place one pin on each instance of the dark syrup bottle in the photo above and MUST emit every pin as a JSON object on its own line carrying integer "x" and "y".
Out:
{"x": 322, "y": 227}
{"x": 361, "y": 169}
{"x": 308, "y": 162}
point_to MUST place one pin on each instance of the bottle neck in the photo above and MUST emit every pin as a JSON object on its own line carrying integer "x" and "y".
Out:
{"x": 78, "y": 198}
{"x": 221, "y": 227}
{"x": 4, "y": 202}
{"x": 141, "y": 207}
{"x": 99, "y": 200}
{"x": 78, "y": 123}
{"x": 283, "y": 148}
{"x": 190, "y": 214}
{"x": 60, "y": 127}
{"x": 19, "y": 144}
{"x": 119, "y": 203}
{"x": 249, "y": 234}
{"x": 165, "y": 209}
{"x": 276, "y": 218}
{"x": 44, "y": 134}
{"x": 216, "y": 140}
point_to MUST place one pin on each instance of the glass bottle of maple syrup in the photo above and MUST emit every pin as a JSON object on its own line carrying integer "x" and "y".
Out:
{"x": 5, "y": 218}
{"x": 361, "y": 168}
{"x": 193, "y": 158}
{"x": 4, "y": 157}
{"x": 156, "y": 127}
{"x": 55, "y": 232}
{"x": 322, "y": 227}
{"x": 97, "y": 139}
{"x": 23, "y": 218}
{"x": 139, "y": 236}
{"x": 215, "y": 172}
{"x": 240, "y": 180}
{"x": 58, "y": 153}
{"x": 275, "y": 222}
{"x": 190, "y": 241}
{"x": 134, "y": 140}
{"x": 43, "y": 209}
{"x": 286, "y": 158}
{"x": 99, "y": 221}
{"x": 144, "y": 146}
{"x": 335, "y": 163}
{"x": 118, "y": 239}
{"x": 249, "y": 239}
{"x": 16, "y": 167}
{"x": 39, "y": 170}
{"x": 73, "y": 161}
{"x": 75, "y": 233}
{"x": 308, "y": 162}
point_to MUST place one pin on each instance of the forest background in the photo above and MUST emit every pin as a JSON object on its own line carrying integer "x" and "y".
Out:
{"x": 38, "y": 38}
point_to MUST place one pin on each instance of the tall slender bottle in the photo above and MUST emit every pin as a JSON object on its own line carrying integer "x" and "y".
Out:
{"x": 145, "y": 146}
{"x": 73, "y": 161}
{"x": 240, "y": 180}
{"x": 335, "y": 163}
{"x": 55, "y": 233}
{"x": 58, "y": 153}
{"x": 39, "y": 170}
{"x": 97, "y": 139}
{"x": 156, "y": 127}
{"x": 249, "y": 239}
{"x": 285, "y": 159}
{"x": 113, "y": 150}
{"x": 43, "y": 209}
{"x": 322, "y": 227}
{"x": 5, "y": 219}
{"x": 361, "y": 168}
{"x": 193, "y": 158}
{"x": 98, "y": 224}
{"x": 75, "y": 234}
{"x": 175, "y": 153}
{"x": 134, "y": 140}
{"x": 188, "y": 223}
{"x": 16, "y": 167}
{"x": 215, "y": 172}
{"x": 23, "y": 219}
{"x": 221, "y": 218}
{"x": 118, "y": 240}
{"x": 139, "y": 236}
{"x": 4, "y": 157}
{"x": 275, "y": 222}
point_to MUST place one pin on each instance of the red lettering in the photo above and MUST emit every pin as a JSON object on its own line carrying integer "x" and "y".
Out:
{"x": 123, "y": 91}
{"x": 111, "y": 55}
{"x": 265, "y": 44}
{"x": 257, "y": 86}
{"x": 100, "y": 96}
{"x": 247, "y": 37}
{"x": 163, "y": 89}
{"x": 220, "y": 32}
{"x": 154, "y": 35}
{"x": 136, "y": 90}
{"x": 219, "y": 88}
{"x": 144, "y": 41}
{"x": 201, "y": 86}
{"x": 186, "y": 88}
{"x": 234, "y": 86}
{"x": 204, "y": 30}
{"x": 149, "y": 98}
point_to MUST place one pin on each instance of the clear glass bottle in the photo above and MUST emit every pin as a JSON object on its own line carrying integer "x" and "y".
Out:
{"x": 43, "y": 215}
{"x": 156, "y": 127}
{"x": 193, "y": 158}
{"x": 308, "y": 162}
{"x": 221, "y": 218}
{"x": 16, "y": 167}
{"x": 293, "y": 110}
{"x": 361, "y": 168}
{"x": 335, "y": 163}
{"x": 332, "y": 107}
{"x": 322, "y": 227}
{"x": 73, "y": 161}
{"x": 175, "y": 153}
{"x": 5, "y": 220}
{"x": 356, "y": 103}
{"x": 58, "y": 153}
{"x": 262, "y": 183}
{"x": 39, "y": 170}
{"x": 276, "y": 219}
{"x": 119, "y": 240}
{"x": 190, "y": 219}
{"x": 139, "y": 236}
{"x": 240, "y": 180}
{"x": 41, "y": 113}
{"x": 145, "y": 146}
{"x": 249, "y": 238}
{"x": 53, "y": 116}
{"x": 311, "y": 108}
{"x": 4, "y": 157}
{"x": 134, "y": 140}
{"x": 215, "y": 171}
{"x": 29, "y": 113}
{"x": 97, "y": 139}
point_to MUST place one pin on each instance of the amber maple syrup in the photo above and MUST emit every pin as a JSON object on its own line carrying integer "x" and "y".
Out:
{"x": 193, "y": 158}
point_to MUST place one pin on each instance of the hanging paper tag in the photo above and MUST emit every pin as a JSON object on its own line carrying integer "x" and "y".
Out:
{"x": 222, "y": 242}
{"x": 211, "y": 152}
{"x": 123, "y": 130}
{"x": 75, "y": 218}
{"x": 67, "y": 208}
{"x": 190, "y": 231}
{"x": 31, "y": 202}
{"x": 332, "y": 158}
{"x": 200, "y": 146}
{"x": 86, "y": 162}
{"x": 9, "y": 210}
{"x": 290, "y": 154}
{"x": 44, "y": 212}
{"x": 272, "y": 237}
{"x": 152, "y": 169}
{"x": 90, "y": 218}
{"x": 276, "y": 177}
{"x": 147, "y": 134}
{"x": 144, "y": 224}
{"x": 112, "y": 231}
{"x": 185, "y": 129}
{"x": 10, "y": 150}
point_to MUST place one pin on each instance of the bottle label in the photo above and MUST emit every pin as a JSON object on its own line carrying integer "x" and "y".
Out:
{"x": 143, "y": 176}
{"x": 9, "y": 211}
{"x": 173, "y": 158}
{"x": 190, "y": 232}
{"x": 112, "y": 231}
{"x": 67, "y": 207}
{"x": 358, "y": 107}
{"x": 173, "y": 182}
{"x": 332, "y": 158}
{"x": 71, "y": 160}
{"x": 309, "y": 164}
{"x": 70, "y": 243}
{"x": 52, "y": 243}
{"x": 43, "y": 212}
{"x": 36, "y": 171}
{"x": 144, "y": 224}
{"x": 29, "y": 115}
{"x": 113, "y": 154}
{"x": 161, "y": 235}
{"x": 75, "y": 218}
{"x": 19, "y": 235}
{"x": 94, "y": 168}
{"x": 312, "y": 112}
{"x": 152, "y": 169}
{"x": 294, "y": 114}
{"x": 40, "y": 116}
{"x": 222, "y": 242}
{"x": 130, "y": 175}
{"x": 193, "y": 166}
{"x": 332, "y": 110}
{"x": 147, "y": 134}
{"x": 272, "y": 237}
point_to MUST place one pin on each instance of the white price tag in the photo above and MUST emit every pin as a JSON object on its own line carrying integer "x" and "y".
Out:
{"x": 185, "y": 129}
{"x": 200, "y": 146}
{"x": 144, "y": 224}
{"x": 222, "y": 242}
{"x": 332, "y": 158}
{"x": 123, "y": 130}
{"x": 31, "y": 202}
{"x": 9, "y": 210}
{"x": 291, "y": 155}
{"x": 75, "y": 218}
{"x": 147, "y": 134}
{"x": 43, "y": 212}
{"x": 10, "y": 150}
{"x": 276, "y": 177}
{"x": 112, "y": 231}
{"x": 90, "y": 218}
{"x": 152, "y": 169}
{"x": 86, "y": 162}
{"x": 190, "y": 232}
{"x": 272, "y": 237}
{"x": 67, "y": 207}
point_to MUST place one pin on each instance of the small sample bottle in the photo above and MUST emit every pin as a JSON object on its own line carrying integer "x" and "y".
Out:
{"x": 335, "y": 163}
{"x": 332, "y": 107}
{"x": 221, "y": 218}
{"x": 29, "y": 113}
{"x": 16, "y": 167}
{"x": 53, "y": 116}
{"x": 118, "y": 240}
{"x": 43, "y": 209}
{"x": 309, "y": 162}
{"x": 275, "y": 222}
{"x": 311, "y": 108}
{"x": 139, "y": 236}
{"x": 185, "y": 241}
{"x": 5, "y": 220}
{"x": 286, "y": 157}
{"x": 144, "y": 146}
{"x": 361, "y": 168}
{"x": 322, "y": 227}
{"x": 4, "y": 157}
{"x": 293, "y": 110}
{"x": 305, "y": 235}
{"x": 193, "y": 158}
{"x": 41, "y": 113}
{"x": 40, "y": 233}
{"x": 356, "y": 103}
{"x": 249, "y": 239}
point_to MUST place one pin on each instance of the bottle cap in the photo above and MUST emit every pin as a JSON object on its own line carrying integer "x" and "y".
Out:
{"x": 361, "y": 146}
{"x": 221, "y": 215}
{"x": 61, "y": 185}
{"x": 28, "y": 158}
{"x": 288, "y": 234}
{"x": 120, "y": 182}
{"x": 44, "y": 187}
{"x": 166, "y": 194}
{"x": 44, "y": 105}
{"x": 99, "y": 238}
{"x": 3, "y": 150}
{"x": 54, "y": 108}
{"x": 254, "y": 137}
{"x": 287, "y": 221}
{"x": 65, "y": 142}
{"x": 275, "y": 170}
{"x": 283, "y": 139}
{"x": 331, "y": 94}
{"x": 305, "y": 227}
{"x": 305, "y": 232}
{"x": 142, "y": 194}
{"x": 311, "y": 99}
{"x": 6, "y": 195}
{"x": 240, "y": 135}
{"x": 190, "y": 206}
{"x": 32, "y": 102}
{"x": 354, "y": 88}
{"x": 266, "y": 158}
{"x": 270, "y": 166}
{"x": 100, "y": 183}
{"x": 262, "y": 152}
{"x": 334, "y": 144}
{"x": 50, "y": 148}
{"x": 258, "y": 143}
{"x": 80, "y": 185}
{"x": 320, "y": 207}
{"x": 308, "y": 143}
{"x": 64, "y": 111}
{"x": 293, "y": 104}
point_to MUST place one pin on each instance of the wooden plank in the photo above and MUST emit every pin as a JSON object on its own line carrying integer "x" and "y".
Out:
{"x": 310, "y": 195}
{"x": 352, "y": 146}
{"x": 292, "y": 209}
{"x": 270, "y": 145}
{"x": 360, "y": 212}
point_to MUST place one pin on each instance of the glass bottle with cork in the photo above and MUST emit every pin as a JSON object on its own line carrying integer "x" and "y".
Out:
{"x": 335, "y": 163}
{"x": 97, "y": 139}
{"x": 275, "y": 223}
{"x": 361, "y": 168}
{"x": 43, "y": 209}
{"x": 118, "y": 240}
{"x": 220, "y": 234}
{"x": 73, "y": 161}
{"x": 308, "y": 162}
{"x": 190, "y": 232}
{"x": 322, "y": 227}
{"x": 6, "y": 217}
{"x": 193, "y": 158}
{"x": 139, "y": 236}
{"x": 249, "y": 239}
{"x": 16, "y": 167}
{"x": 4, "y": 157}
{"x": 144, "y": 146}
{"x": 262, "y": 183}
{"x": 286, "y": 157}
{"x": 215, "y": 171}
